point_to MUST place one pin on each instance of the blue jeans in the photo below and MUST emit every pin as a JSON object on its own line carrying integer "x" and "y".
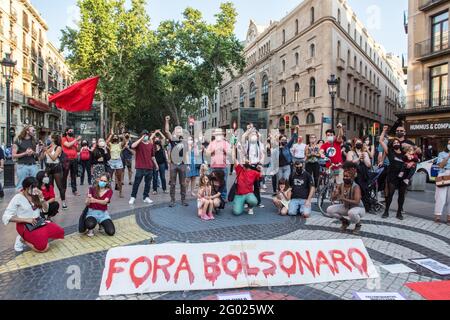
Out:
{"x": 284, "y": 172}
{"x": 141, "y": 174}
{"x": 297, "y": 206}
{"x": 224, "y": 193}
{"x": 162, "y": 176}
{"x": 25, "y": 171}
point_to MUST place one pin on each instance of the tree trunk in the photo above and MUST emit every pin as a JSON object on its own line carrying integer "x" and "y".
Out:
{"x": 113, "y": 125}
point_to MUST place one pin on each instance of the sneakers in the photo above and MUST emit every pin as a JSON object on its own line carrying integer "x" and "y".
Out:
{"x": 261, "y": 206}
{"x": 64, "y": 205}
{"x": 19, "y": 245}
{"x": 172, "y": 204}
{"x": 90, "y": 233}
{"x": 250, "y": 212}
{"x": 101, "y": 229}
{"x": 184, "y": 204}
{"x": 132, "y": 201}
{"x": 406, "y": 181}
{"x": 357, "y": 229}
{"x": 345, "y": 224}
{"x": 400, "y": 217}
{"x": 154, "y": 193}
{"x": 148, "y": 201}
{"x": 385, "y": 215}
{"x": 76, "y": 194}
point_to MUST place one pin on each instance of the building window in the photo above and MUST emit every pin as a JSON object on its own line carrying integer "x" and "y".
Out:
{"x": 297, "y": 92}
{"x": 310, "y": 119}
{"x": 297, "y": 57}
{"x": 252, "y": 95}
{"x": 283, "y": 96}
{"x": 348, "y": 92}
{"x": 312, "y": 88}
{"x": 339, "y": 49}
{"x": 339, "y": 16}
{"x": 439, "y": 36}
{"x": 354, "y": 95}
{"x": 283, "y": 65}
{"x": 242, "y": 98}
{"x": 312, "y": 16}
{"x": 348, "y": 28}
{"x": 349, "y": 123}
{"x": 296, "y": 27}
{"x": 295, "y": 122}
{"x": 349, "y": 57}
{"x": 284, "y": 36}
{"x": 355, "y": 62}
{"x": 438, "y": 86}
{"x": 265, "y": 92}
{"x": 312, "y": 50}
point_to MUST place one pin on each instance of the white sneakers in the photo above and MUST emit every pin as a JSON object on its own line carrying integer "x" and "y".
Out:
{"x": 250, "y": 212}
{"x": 133, "y": 200}
{"x": 19, "y": 245}
{"x": 90, "y": 233}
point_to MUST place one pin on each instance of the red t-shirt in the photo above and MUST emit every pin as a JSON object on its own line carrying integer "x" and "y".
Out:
{"x": 48, "y": 194}
{"x": 245, "y": 180}
{"x": 334, "y": 152}
{"x": 71, "y": 152}
{"x": 144, "y": 155}
{"x": 95, "y": 206}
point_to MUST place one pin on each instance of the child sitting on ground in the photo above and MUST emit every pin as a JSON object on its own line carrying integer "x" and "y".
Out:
{"x": 207, "y": 200}
{"x": 282, "y": 198}
{"x": 409, "y": 168}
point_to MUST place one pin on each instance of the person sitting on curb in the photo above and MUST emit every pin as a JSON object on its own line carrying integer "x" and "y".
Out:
{"x": 302, "y": 184}
{"x": 352, "y": 209}
{"x": 25, "y": 210}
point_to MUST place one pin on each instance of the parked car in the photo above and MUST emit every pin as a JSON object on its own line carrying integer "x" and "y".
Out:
{"x": 430, "y": 168}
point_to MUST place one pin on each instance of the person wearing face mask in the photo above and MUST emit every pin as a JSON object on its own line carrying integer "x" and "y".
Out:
{"x": 285, "y": 156}
{"x": 127, "y": 157}
{"x": 100, "y": 157}
{"x": 349, "y": 193}
{"x": 298, "y": 150}
{"x": 360, "y": 157}
{"x": 332, "y": 150}
{"x": 70, "y": 148}
{"x": 177, "y": 162}
{"x": 116, "y": 146}
{"x": 218, "y": 150}
{"x": 85, "y": 161}
{"x": 161, "y": 158}
{"x": 312, "y": 159}
{"x": 395, "y": 181}
{"x": 254, "y": 151}
{"x": 442, "y": 195}
{"x": 302, "y": 184}
{"x": 145, "y": 165}
{"x": 54, "y": 159}
{"x": 193, "y": 166}
{"x": 24, "y": 210}
{"x": 370, "y": 148}
{"x": 48, "y": 193}
{"x": 97, "y": 201}
{"x": 24, "y": 150}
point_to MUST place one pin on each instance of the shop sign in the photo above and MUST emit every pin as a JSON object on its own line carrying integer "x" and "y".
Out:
{"x": 428, "y": 127}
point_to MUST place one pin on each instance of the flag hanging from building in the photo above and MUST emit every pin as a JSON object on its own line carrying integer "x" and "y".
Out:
{"x": 77, "y": 97}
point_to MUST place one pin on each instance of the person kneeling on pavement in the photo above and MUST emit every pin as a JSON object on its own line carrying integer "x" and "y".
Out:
{"x": 302, "y": 184}
{"x": 352, "y": 209}
{"x": 245, "y": 180}
{"x": 25, "y": 210}
{"x": 97, "y": 208}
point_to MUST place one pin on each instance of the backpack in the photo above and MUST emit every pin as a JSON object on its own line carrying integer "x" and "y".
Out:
{"x": 85, "y": 154}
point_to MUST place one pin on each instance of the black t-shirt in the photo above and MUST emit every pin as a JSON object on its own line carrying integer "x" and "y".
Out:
{"x": 282, "y": 162}
{"x": 395, "y": 162}
{"x": 100, "y": 153}
{"x": 301, "y": 184}
{"x": 160, "y": 156}
{"x": 22, "y": 146}
{"x": 2, "y": 154}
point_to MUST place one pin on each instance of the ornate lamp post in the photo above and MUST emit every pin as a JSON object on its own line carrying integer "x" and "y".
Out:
{"x": 332, "y": 88}
{"x": 8, "y": 66}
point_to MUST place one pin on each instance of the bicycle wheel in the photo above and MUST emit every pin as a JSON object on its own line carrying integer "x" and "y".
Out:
{"x": 324, "y": 200}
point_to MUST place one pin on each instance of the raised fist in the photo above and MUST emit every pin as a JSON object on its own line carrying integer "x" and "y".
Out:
{"x": 385, "y": 128}
{"x": 167, "y": 118}
{"x": 339, "y": 125}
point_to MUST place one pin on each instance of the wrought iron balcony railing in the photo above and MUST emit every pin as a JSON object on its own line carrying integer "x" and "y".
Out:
{"x": 432, "y": 47}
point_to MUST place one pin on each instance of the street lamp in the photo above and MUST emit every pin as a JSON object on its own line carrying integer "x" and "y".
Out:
{"x": 8, "y": 66}
{"x": 332, "y": 88}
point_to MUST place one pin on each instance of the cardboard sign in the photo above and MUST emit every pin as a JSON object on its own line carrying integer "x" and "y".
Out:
{"x": 240, "y": 264}
{"x": 234, "y": 296}
{"x": 397, "y": 268}
{"x": 434, "y": 266}
{"x": 379, "y": 296}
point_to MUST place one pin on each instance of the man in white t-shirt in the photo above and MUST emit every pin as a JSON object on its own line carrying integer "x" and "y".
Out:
{"x": 298, "y": 150}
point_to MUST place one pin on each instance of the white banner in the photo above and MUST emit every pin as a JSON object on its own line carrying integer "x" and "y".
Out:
{"x": 240, "y": 264}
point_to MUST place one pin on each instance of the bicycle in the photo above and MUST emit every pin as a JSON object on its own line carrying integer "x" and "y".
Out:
{"x": 324, "y": 196}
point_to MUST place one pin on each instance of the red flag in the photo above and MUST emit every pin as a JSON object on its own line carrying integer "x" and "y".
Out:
{"x": 77, "y": 97}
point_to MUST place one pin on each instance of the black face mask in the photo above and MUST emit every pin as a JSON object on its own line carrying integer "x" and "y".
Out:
{"x": 71, "y": 134}
{"x": 348, "y": 181}
{"x": 359, "y": 146}
{"x": 127, "y": 137}
{"x": 84, "y": 144}
{"x": 299, "y": 170}
{"x": 397, "y": 147}
{"x": 115, "y": 140}
{"x": 283, "y": 143}
{"x": 400, "y": 134}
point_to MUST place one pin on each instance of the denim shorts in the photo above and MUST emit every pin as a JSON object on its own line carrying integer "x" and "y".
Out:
{"x": 99, "y": 215}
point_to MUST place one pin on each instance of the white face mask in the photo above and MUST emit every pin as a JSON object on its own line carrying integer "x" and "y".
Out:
{"x": 46, "y": 180}
{"x": 219, "y": 138}
{"x": 101, "y": 144}
{"x": 330, "y": 139}
{"x": 254, "y": 139}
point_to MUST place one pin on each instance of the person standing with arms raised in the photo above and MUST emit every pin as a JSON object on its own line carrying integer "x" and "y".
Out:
{"x": 145, "y": 164}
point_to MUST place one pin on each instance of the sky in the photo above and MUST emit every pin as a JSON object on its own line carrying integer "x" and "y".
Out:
{"x": 382, "y": 18}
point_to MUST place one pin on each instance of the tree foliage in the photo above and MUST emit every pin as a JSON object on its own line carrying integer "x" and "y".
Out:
{"x": 146, "y": 75}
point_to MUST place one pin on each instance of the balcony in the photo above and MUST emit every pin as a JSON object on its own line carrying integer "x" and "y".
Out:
{"x": 425, "y": 5}
{"x": 340, "y": 64}
{"x": 33, "y": 54}
{"x": 26, "y": 50}
{"x": 41, "y": 41}
{"x": 351, "y": 72}
{"x": 296, "y": 70}
{"x": 42, "y": 84}
{"x": 13, "y": 15}
{"x": 34, "y": 34}
{"x": 282, "y": 77}
{"x": 41, "y": 61}
{"x": 310, "y": 63}
{"x": 27, "y": 75}
{"x": 428, "y": 49}
{"x": 436, "y": 100}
